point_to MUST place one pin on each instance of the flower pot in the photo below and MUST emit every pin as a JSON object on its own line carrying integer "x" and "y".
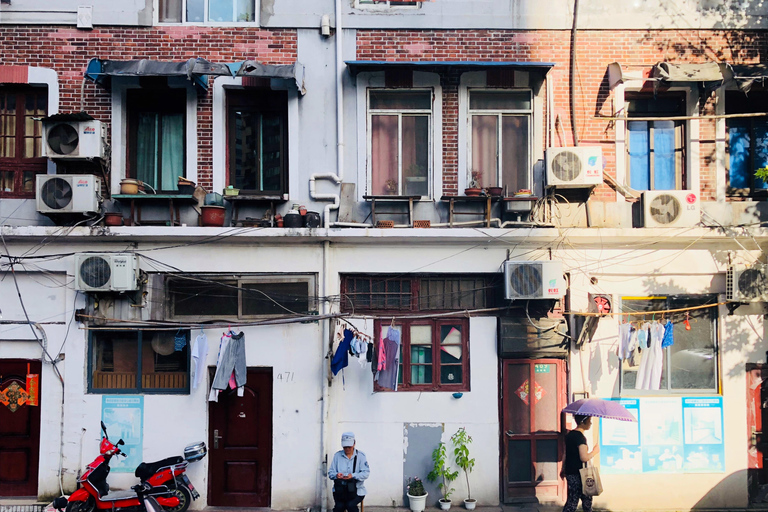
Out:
{"x": 444, "y": 504}
{"x": 495, "y": 191}
{"x": 417, "y": 503}
{"x": 472, "y": 192}
{"x": 213, "y": 215}
{"x": 129, "y": 186}
{"x": 470, "y": 503}
{"x": 113, "y": 219}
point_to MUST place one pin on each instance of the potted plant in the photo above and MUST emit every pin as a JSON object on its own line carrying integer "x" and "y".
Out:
{"x": 442, "y": 472}
{"x": 461, "y": 442}
{"x": 474, "y": 187}
{"x": 417, "y": 495}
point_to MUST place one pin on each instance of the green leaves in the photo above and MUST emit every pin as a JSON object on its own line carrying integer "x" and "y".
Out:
{"x": 461, "y": 441}
{"x": 441, "y": 471}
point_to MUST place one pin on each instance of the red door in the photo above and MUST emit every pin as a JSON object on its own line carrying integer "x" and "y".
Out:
{"x": 533, "y": 393}
{"x": 757, "y": 396}
{"x": 240, "y": 437}
{"x": 19, "y": 432}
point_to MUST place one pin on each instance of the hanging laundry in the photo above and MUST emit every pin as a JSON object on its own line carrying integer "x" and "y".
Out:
{"x": 668, "y": 339}
{"x": 231, "y": 363}
{"x": 341, "y": 357}
{"x": 369, "y": 353}
{"x": 180, "y": 341}
{"x": 387, "y": 377}
{"x": 652, "y": 362}
{"x": 625, "y": 335}
{"x": 199, "y": 355}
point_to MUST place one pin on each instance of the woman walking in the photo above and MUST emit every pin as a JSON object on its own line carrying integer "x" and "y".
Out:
{"x": 576, "y": 454}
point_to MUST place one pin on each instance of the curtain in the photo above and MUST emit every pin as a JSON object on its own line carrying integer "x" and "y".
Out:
{"x": 760, "y": 150}
{"x": 415, "y": 155}
{"x": 639, "y": 155}
{"x": 146, "y": 148}
{"x": 484, "y": 150}
{"x": 172, "y": 158}
{"x": 514, "y": 152}
{"x": 160, "y": 149}
{"x": 170, "y": 11}
{"x": 738, "y": 143}
{"x": 664, "y": 156}
{"x": 384, "y": 163}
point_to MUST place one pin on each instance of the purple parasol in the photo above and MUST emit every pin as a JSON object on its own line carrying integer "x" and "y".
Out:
{"x": 601, "y": 408}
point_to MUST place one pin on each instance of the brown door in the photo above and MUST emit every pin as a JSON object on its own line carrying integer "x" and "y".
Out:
{"x": 19, "y": 432}
{"x": 757, "y": 396}
{"x": 533, "y": 393}
{"x": 240, "y": 437}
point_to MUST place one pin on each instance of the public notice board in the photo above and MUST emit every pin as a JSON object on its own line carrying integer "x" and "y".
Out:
{"x": 672, "y": 435}
{"x": 123, "y": 417}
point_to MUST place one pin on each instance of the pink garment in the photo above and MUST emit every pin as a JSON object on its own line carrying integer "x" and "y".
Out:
{"x": 232, "y": 382}
{"x": 381, "y": 355}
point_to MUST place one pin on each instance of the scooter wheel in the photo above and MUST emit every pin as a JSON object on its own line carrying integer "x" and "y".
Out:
{"x": 88, "y": 505}
{"x": 185, "y": 499}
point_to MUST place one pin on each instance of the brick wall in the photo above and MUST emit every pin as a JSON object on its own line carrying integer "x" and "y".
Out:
{"x": 595, "y": 50}
{"x": 67, "y": 51}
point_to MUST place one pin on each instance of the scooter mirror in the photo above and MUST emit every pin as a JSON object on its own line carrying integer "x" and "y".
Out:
{"x": 104, "y": 429}
{"x": 120, "y": 442}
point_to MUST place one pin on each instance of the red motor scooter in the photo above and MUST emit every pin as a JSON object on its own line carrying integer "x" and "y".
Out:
{"x": 171, "y": 472}
{"x": 94, "y": 494}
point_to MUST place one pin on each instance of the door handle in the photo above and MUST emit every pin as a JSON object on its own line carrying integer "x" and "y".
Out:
{"x": 753, "y": 436}
{"x": 216, "y": 438}
{"x": 509, "y": 433}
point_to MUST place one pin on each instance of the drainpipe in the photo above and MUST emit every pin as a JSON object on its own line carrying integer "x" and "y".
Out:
{"x": 573, "y": 71}
{"x": 339, "y": 175}
{"x": 325, "y": 376}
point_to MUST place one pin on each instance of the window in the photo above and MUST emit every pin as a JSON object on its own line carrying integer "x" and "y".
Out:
{"x": 747, "y": 141}
{"x": 138, "y": 362}
{"x": 500, "y": 131}
{"x": 691, "y": 362}
{"x": 387, "y": 4}
{"x": 433, "y": 354}
{"x": 656, "y": 149}
{"x": 258, "y": 141}
{"x": 399, "y": 144}
{"x": 203, "y": 11}
{"x": 419, "y": 293}
{"x": 156, "y": 136}
{"x": 207, "y": 297}
{"x": 21, "y": 156}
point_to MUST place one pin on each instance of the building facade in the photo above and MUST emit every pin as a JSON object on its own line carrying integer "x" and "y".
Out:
{"x": 612, "y": 151}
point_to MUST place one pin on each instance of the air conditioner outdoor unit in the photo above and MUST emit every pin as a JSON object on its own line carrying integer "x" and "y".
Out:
{"x": 576, "y": 167}
{"x": 67, "y": 193}
{"x": 74, "y": 139}
{"x": 533, "y": 280}
{"x": 746, "y": 284}
{"x": 670, "y": 209}
{"x": 108, "y": 272}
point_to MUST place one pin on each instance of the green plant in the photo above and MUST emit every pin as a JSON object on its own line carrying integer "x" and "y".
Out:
{"x": 461, "y": 442}
{"x": 442, "y": 472}
{"x": 416, "y": 487}
{"x": 762, "y": 173}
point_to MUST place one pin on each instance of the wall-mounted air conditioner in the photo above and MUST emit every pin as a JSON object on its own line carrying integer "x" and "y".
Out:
{"x": 533, "y": 280}
{"x": 576, "y": 167}
{"x": 670, "y": 209}
{"x": 107, "y": 272}
{"x": 67, "y": 193}
{"x": 746, "y": 284}
{"x": 69, "y": 139}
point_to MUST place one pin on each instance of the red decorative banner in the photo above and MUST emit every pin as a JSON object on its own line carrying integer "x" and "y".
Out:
{"x": 33, "y": 385}
{"x": 13, "y": 397}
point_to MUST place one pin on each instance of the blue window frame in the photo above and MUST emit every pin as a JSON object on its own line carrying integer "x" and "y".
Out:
{"x": 747, "y": 142}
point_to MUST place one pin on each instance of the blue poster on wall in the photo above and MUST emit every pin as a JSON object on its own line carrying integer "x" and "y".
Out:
{"x": 123, "y": 417}
{"x": 620, "y": 442}
{"x": 704, "y": 446}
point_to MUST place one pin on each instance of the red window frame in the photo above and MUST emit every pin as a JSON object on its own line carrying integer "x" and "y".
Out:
{"x": 404, "y": 379}
{"x": 22, "y": 168}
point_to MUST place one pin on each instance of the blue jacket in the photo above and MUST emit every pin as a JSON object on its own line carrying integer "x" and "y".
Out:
{"x": 341, "y": 464}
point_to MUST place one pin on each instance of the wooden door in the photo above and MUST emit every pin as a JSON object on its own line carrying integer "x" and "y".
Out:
{"x": 19, "y": 432}
{"x": 240, "y": 441}
{"x": 533, "y": 393}
{"x": 757, "y": 448}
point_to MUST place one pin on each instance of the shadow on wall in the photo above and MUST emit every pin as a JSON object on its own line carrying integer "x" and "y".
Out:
{"x": 722, "y": 495}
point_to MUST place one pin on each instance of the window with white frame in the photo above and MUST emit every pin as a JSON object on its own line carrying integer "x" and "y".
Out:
{"x": 500, "y": 138}
{"x": 206, "y": 11}
{"x": 399, "y": 141}
{"x": 387, "y": 4}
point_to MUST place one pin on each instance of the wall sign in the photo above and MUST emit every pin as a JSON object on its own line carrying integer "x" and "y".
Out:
{"x": 123, "y": 417}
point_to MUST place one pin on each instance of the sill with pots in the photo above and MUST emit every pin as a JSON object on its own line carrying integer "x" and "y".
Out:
{"x": 137, "y": 203}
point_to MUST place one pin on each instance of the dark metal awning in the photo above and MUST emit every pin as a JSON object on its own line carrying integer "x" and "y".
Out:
{"x": 744, "y": 76}
{"x": 195, "y": 69}
{"x": 703, "y": 72}
{"x": 253, "y": 68}
{"x": 357, "y": 66}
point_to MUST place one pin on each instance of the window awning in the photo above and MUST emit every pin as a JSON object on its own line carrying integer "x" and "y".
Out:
{"x": 101, "y": 71}
{"x": 708, "y": 74}
{"x": 357, "y": 66}
{"x": 293, "y": 71}
{"x": 744, "y": 76}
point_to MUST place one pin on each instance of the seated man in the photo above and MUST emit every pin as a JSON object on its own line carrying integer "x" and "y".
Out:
{"x": 348, "y": 469}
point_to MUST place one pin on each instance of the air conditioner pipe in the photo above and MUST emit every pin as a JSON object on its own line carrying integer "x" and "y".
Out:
{"x": 339, "y": 176}
{"x": 351, "y": 224}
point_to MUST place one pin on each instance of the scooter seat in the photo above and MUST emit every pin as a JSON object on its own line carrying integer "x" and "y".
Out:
{"x": 147, "y": 469}
{"x": 118, "y": 495}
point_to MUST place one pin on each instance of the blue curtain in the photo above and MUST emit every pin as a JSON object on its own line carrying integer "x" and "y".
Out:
{"x": 664, "y": 155}
{"x": 639, "y": 155}
{"x": 761, "y": 149}
{"x": 160, "y": 149}
{"x": 738, "y": 137}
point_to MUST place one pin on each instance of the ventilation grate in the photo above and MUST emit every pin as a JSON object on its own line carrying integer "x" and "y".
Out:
{"x": 525, "y": 280}
{"x": 566, "y": 166}
{"x": 95, "y": 272}
{"x": 665, "y": 209}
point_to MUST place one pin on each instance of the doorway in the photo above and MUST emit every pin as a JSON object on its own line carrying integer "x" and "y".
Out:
{"x": 533, "y": 393}
{"x": 240, "y": 441}
{"x": 757, "y": 408}
{"x": 19, "y": 431}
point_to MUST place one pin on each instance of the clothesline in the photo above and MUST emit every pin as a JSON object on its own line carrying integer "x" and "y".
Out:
{"x": 645, "y": 313}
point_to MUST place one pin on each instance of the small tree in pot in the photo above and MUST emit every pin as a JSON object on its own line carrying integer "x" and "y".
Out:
{"x": 461, "y": 442}
{"x": 442, "y": 472}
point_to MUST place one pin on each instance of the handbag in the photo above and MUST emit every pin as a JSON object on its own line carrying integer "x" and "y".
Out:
{"x": 590, "y": 481}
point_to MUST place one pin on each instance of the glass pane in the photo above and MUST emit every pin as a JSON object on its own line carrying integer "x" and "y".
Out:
{"x": 146, "y": 148}
{"x": 275, "y": 298}
{"x": 245, "y": 10}
{"x": 169, "y": 11}
{"x": 738, "y": 147}
{"x": 450, "y": 343}
{"x": 162, "y": 366}
{"x": 6, "y": 181}
{"x": 416, "y": 155}
{"x": 172, "y": 156}
{"x": 28, "y": 181}
{"x": 244, "y": 151}
{"x": 761, "y": 149}
{"x": 195, "y": 10}
{"x": 485, "y": 150}
{"x": 401, "y": 100}
{"x": 384, "y": 161}
{"x": 205, "y": 299}
{"x": 639, "y": 155}
{"x": 519, "y": 460}
{"x": 514, "y": 152}
{"x": 29, "y": 147}
{"x": 220, "y": 10}
{"x": 500, "y": 100}
{"x": 544, "y": 397}
{"x": 271, "y": 152}
{"x": 115, "y": 360}
{"x": 421, "y": 354}
{"x": 692, "y": 356}
{"x": 664, "y": 155}
{"x": 517, "y": 392}
{"x": 421, "y": 335}
{"x": 546, "y": 460}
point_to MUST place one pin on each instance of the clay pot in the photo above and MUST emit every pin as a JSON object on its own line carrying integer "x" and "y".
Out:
{"x": 495, "y": 191}
{"x": 113, "y": 219}
{"x": 471, "y": 192}
{"x": 312, "y": 220}
{"x": 213, "y": 215}
{"x": 129, "y": 186}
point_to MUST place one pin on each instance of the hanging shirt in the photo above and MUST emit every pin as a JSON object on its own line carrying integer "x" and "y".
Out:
{"x": 341, "y": 357}
{"x": 199, "y": 355}
{"x": 231, "y": 363}
{"x": 625, "y": 335}
{"x": 657, "y": 334}
{"x": 668, "y": 339}
{"x": 388, "y": 377}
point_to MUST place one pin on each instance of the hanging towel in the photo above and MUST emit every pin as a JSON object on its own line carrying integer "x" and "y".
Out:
{"x": 341, "y": 357}
{"x": 199, "y": 355}
{"x": 625, "y": 335}
{"x": 668, "y": 339}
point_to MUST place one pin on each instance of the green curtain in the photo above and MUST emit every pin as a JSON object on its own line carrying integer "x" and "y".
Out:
{"x": 160, "y": 149}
